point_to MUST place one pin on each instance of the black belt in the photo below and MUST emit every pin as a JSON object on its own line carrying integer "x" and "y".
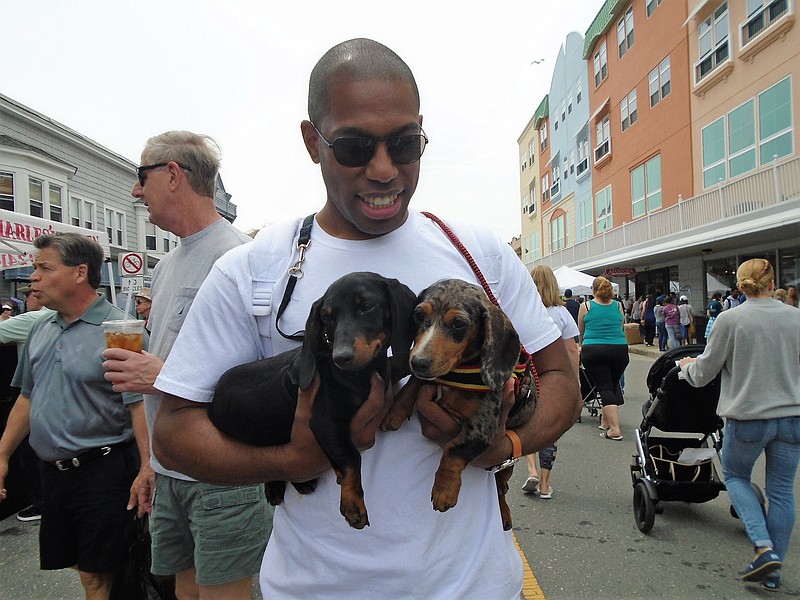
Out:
{"x": 87, "y": 457}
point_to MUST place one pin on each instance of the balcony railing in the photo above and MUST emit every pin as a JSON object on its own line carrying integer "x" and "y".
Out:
{"x": 776, "y": 183}
{"x": 766, "y": 25}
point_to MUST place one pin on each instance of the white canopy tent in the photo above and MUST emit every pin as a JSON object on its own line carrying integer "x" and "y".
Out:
{"x": 17, "y": 232}
{"x": 579, "y": 282}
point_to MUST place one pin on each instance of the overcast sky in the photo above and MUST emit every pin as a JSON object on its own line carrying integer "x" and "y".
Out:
{"x": 119, "y": 72}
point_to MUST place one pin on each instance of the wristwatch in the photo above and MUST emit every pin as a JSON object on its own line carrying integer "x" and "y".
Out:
{"x": 516, "y": 453}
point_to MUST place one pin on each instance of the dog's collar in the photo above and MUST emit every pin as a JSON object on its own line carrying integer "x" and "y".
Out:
{"x": 467, "y": 377}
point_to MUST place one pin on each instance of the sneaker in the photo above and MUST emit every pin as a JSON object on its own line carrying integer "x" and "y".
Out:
{"x": 771, "y": 583}
{"x": 763, "y": 565}
{"x": 546, "y": 495}
{"x": 29, "y": 514}
{"x": 531, "y": 485}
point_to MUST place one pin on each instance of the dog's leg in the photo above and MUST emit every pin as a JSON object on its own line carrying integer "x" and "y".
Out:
{"x": 447, "y": 483}
{"x": 502, "y": 478}
{"x": 403, "y": 405}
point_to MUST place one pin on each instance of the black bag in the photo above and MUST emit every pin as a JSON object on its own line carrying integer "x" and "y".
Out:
{"x": 133, "y": 580}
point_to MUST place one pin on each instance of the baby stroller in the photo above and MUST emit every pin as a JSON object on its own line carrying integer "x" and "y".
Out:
{"x": 590, "y": 395}
{"x": 679, "y": 442}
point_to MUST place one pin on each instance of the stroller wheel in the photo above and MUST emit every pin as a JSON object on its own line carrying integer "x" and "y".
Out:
{"x": 644, "y": 509}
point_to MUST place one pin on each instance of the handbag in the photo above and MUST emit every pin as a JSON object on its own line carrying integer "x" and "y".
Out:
{"x": 133, "y": 580}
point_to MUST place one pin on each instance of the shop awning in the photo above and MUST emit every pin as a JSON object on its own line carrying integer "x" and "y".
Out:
{"x": 17, "y": 232}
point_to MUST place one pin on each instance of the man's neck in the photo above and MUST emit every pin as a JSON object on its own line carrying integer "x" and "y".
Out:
{"x": 76, "y": 306}
{"x": 201, "y": 216}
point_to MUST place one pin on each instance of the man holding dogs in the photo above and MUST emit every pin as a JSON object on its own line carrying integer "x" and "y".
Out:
{"x": 365, "y": 132}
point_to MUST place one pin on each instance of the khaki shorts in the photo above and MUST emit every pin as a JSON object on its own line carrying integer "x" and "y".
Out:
{"x": 220, "y": 531}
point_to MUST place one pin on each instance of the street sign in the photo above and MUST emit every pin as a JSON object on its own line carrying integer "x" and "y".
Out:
{"x": 131, "y": 264}
{"x": 131, "y": 285}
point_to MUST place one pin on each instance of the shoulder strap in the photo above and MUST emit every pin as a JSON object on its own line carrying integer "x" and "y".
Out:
{"x": 295, "y": 273}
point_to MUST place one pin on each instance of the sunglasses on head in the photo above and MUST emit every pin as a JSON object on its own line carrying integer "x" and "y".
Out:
{"x": 357, "y": 151}
{"x": 141, "y": 172}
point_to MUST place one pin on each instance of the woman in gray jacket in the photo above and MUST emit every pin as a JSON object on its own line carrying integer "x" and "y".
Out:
{"x": 760, "y": 400}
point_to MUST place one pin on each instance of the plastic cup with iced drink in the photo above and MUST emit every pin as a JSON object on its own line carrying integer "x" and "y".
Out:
{"x": 125, "y": 334}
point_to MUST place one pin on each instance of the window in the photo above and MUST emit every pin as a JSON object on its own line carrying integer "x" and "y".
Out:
{"x": 75, "y": 211}
{"x": 660, "y": 83}
{"x": 556, "y": 189}
{"x": 583, "y": 156}
{"x": 35, "y": 193}
{"x": 628, "y": 110}
{"x": 566, "y": 166}
{"x": 761, "y": 15}
{"x": 166, "y": 244}
{"x": 149, "y": 236}
{"x": 775, "y": 122}
{"x": 55, "y": 203}
{"x": 88, "y": 215}
{"x": 115, "y": 227}
{"x": 6, "y": 191}
{"x": 646, "y": 187}
{"x": 600, "y": 64}
{"x": 603, "y": 147}
{"x": 712, "y": 42}
{"x": 558, "y": 232}
{"x": 81, "y": 212}
{"x": 531, "y": 152}
{"x": 742, "y": 139}
{"x": 651, "y": 6}
{"x": 546, "y": 186}
{"x": 625, "y": 32}
{"x": 603, "y": 208}
{"x": 587, "y": 219}
{"x": 571, "y": 163}
{"x": 529, "y": 200}
{"x": 532, "y": 248}
{"x": 569, "y": 103}
{"x": 714, "y": 168}
{"x": 524, "y": 160}
{"x": 543, "y": 136}
{"x": 578, "y": 93}
{"x": 749, "y": 136}
{"x": 563, "y": 110}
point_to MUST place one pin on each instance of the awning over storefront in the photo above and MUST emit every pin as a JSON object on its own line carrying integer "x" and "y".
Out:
{"x": 17, "y": 232}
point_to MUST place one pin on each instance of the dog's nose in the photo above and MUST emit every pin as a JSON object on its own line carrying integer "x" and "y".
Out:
{"x": 420, "y": 366}
{"x": 343, "y": 357}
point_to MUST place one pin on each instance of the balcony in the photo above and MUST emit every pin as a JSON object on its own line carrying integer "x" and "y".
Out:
{"x": 602, "y": 153}
{"x": 742, "y": 200}
{"x": 766, "y": 26}
{"x": 714, "y": 67}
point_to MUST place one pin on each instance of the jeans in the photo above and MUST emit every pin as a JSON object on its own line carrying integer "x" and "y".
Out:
{"x": 672, "y": 334}
{"x": 742, "y": 444}
{"x": 661, "y": 328}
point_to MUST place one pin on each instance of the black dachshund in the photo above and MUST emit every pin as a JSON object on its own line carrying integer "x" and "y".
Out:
{"x": 347, "y": 335}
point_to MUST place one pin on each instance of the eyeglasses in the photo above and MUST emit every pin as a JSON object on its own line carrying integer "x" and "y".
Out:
{"x": 140, "y": 301}
{"x": 141, "y": 172}
{"x": 357, "y": 151}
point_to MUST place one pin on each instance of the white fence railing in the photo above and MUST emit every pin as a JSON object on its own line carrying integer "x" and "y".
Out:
{"x": 769, "y": 186}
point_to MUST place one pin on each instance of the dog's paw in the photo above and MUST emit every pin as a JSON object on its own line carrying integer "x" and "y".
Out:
{"x": 355, "y": 513}
{"x": 305, "y": 487}
{"x": 274, "y": 491}
{"x": 393, "y": 421}
{"x": 443, "y": 499}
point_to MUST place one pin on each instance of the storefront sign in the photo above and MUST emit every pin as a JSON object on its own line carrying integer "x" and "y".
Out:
{"x": 620, "y": 272}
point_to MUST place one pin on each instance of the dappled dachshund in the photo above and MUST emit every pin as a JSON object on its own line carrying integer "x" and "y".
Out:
{"x": 347, "y": 335}
{"x": 468, "y": 347}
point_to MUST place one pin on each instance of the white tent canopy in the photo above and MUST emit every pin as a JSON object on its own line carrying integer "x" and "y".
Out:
{"x": 579, "y": 282}
{"x": 17, "y": 232}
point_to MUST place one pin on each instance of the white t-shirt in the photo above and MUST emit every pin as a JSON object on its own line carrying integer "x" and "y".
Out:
{"x": 409, "y": 550}
{"x": 564, "y": 321}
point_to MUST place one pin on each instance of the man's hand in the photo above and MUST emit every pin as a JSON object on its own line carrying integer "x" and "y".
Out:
{"x": 131, "y": 371}
{"x": 142, "y": 491}
{"x": 3, "y": 474}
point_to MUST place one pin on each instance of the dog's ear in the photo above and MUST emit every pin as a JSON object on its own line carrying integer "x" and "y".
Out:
{"x": 402, "y": 302}
{"x": 500, "y": 350}
{"x": 312, "y": 345}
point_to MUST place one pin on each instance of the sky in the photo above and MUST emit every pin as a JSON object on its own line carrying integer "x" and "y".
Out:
{"x": 119, "y": 72}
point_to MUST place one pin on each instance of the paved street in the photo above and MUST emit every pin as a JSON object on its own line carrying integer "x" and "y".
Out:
{"x": 581, "y": 544}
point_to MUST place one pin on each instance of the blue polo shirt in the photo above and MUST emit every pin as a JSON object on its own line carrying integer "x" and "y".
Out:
{"x": 73, "y": 408}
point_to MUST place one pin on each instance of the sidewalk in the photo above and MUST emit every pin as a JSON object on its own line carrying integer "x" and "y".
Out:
{"x": 649, "y": 351}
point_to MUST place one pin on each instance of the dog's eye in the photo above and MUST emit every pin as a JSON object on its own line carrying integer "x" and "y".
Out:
{"x": 367, "y": 307}
{"x": 327, "y": 317}
{"x": 419, "y": 315}
{"x": 459, "y": 324}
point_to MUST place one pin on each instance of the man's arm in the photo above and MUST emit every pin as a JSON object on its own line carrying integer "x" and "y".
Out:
{"x": 17, "y": 427}
{"x": 144, "y": 484}
{"x": 185, "y": 440}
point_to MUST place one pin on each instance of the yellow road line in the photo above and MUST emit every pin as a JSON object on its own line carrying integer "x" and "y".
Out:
{"x": 530, "y": 587}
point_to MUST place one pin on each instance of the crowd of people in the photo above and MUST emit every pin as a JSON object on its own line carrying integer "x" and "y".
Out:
{"x": 120, "y": 434}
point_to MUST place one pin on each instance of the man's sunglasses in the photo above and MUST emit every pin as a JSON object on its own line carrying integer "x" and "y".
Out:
{"x": 141, "y": 172}
{"x": 355, "y": 151}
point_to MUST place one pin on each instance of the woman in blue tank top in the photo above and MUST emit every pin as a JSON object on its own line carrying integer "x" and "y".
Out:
{"x": 604, "y": 351}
